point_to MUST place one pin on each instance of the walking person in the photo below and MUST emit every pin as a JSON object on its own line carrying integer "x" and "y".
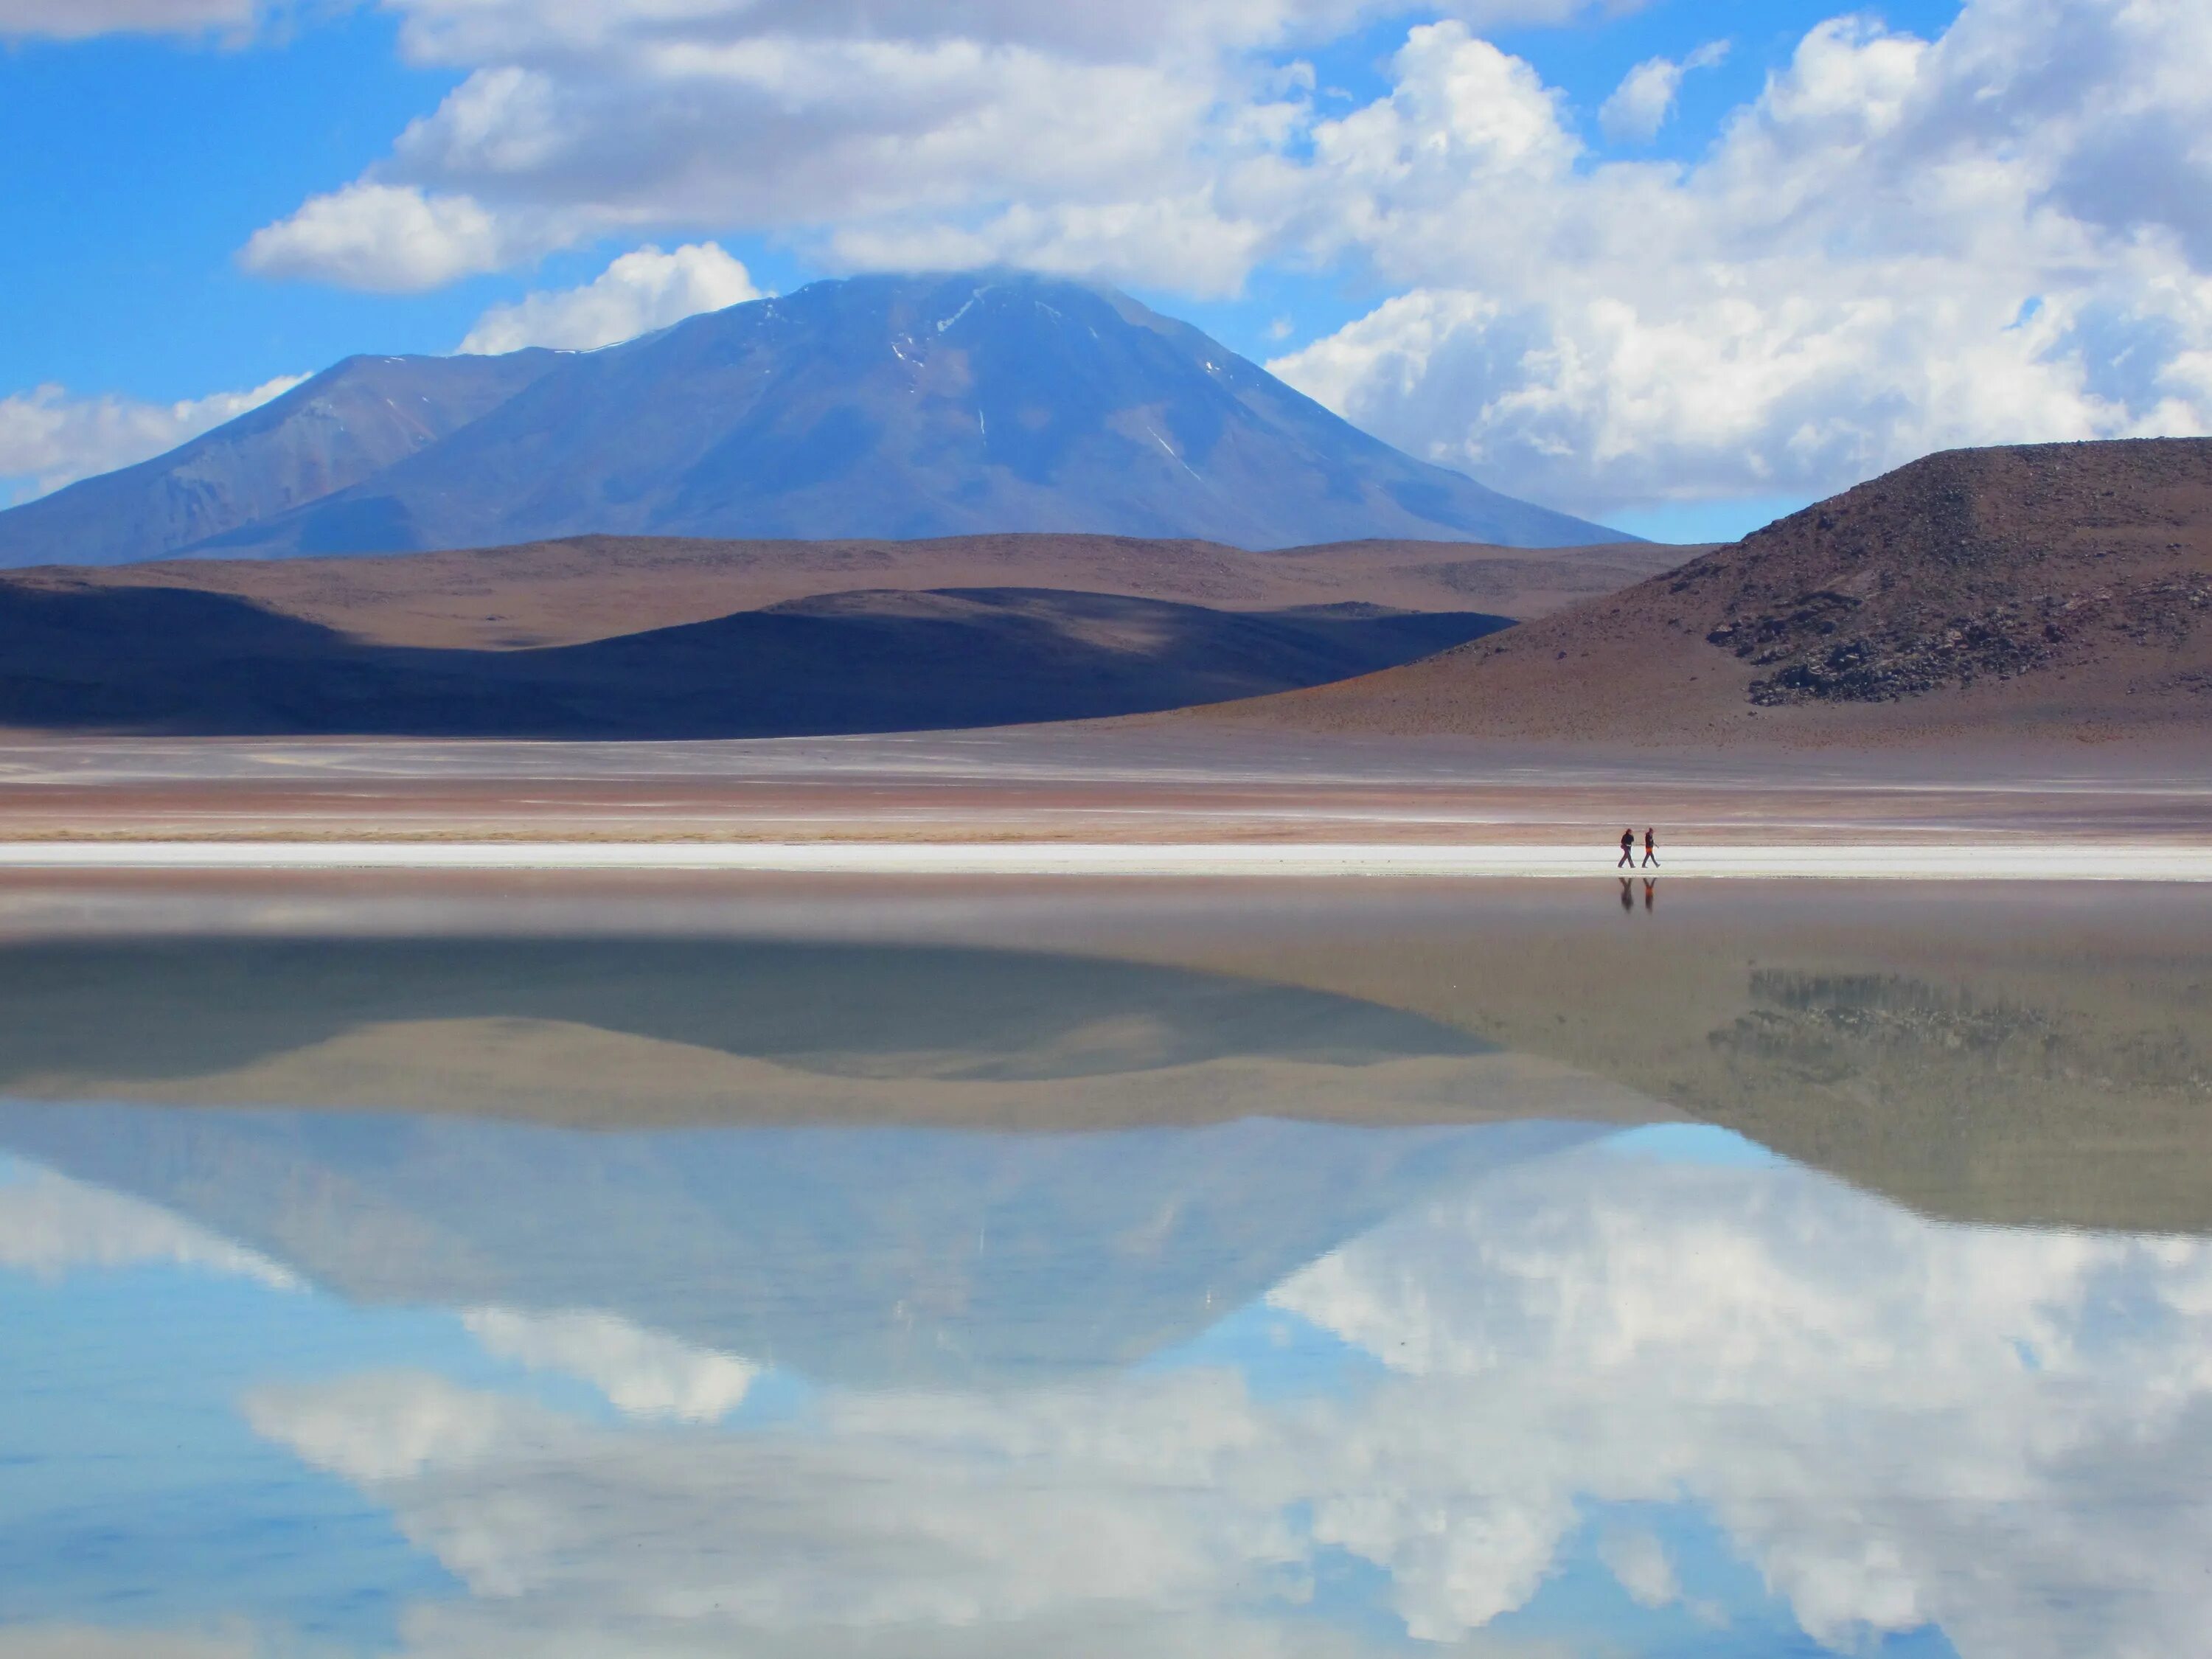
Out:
{"x": 1627, "y": 850}
{"x": 1650, "y": 848}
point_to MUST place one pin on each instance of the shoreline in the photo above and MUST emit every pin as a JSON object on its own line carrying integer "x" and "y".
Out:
{"x": 2085, "y": 860}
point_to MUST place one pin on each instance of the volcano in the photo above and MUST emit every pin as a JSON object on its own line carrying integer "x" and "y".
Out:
{"x": 893, "y": 406}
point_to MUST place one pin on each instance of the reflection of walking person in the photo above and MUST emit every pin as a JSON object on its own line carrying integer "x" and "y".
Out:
{"x": 1651, "y": 889}
{"x": 1627, "y": 850}
{"x": 1627, "y": 896}
{"x": 1650, "y": 848}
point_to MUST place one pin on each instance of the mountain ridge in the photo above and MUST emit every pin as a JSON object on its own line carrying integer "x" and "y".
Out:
{"x": 875, "y": 406}
{"x": 347, "y": 423}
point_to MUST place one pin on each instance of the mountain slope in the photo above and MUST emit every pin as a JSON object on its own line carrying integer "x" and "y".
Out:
{"x": 885, "y": 406}
{"x": 347, "y": 423}
{"x": 2058, "y": 590}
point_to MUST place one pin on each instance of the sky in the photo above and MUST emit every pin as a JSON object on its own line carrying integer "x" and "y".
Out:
{"x": 1677, "y": 265}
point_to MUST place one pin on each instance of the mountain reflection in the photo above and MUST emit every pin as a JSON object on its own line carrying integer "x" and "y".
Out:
{"x": 854, "y": 1254}
{"x": 648, "y": 1298}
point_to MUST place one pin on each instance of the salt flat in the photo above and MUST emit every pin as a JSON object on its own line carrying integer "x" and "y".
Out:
{"x": 1952, "y": 861}
{"x": 1455, "y": 806}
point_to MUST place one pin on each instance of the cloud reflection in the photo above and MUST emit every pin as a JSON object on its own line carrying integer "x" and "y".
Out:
{"x": 92, "y": 1642}
{"x": 51, "y": 1226}
{"x": 642, "y": 1373}
{"x": 1899, "y": 1423}
{"x": 1895, "y": 1424}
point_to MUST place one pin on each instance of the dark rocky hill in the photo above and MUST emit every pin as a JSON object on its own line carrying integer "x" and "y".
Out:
{"x": 2063, "y": 590}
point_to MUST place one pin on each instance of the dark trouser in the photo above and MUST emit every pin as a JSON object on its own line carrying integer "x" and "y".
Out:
{"x": 1651, "y": 858}
{"x": 1627, "y": 858}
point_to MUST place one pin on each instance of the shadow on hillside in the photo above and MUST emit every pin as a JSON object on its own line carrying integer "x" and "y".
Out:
{"x": 179, "y": 662}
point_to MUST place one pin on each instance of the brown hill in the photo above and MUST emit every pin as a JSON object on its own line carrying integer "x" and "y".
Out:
{"x": 596, "y": 587}
{"x": 2052, "y": 591}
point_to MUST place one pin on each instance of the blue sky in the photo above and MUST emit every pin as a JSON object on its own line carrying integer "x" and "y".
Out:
{"x": 1808, "y": 262}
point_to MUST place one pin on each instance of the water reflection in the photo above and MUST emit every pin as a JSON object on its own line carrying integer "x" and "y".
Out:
{"x": 615, "y": 1031}
{"x": 853, "y": 1255}
{"x": 1469, "y": 1353}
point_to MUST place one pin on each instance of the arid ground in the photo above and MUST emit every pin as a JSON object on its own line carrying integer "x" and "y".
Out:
{"x": 1157, "y": 800}
{"x": 598, "y": 587}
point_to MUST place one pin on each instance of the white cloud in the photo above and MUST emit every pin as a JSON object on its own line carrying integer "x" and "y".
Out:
{"x": 1639, "y": 1561}
{"x": 388, "y": 239}
{"x": 641, "y": 1373}
{"x": 1901, "y": 246}
{"x": 49, "y": 439}
{"x": 1099, "y": 138}
{"x": 449, "y": 32}
{"x": 51, "y": 1226}
{"x": 78, "y": 20}
{"x": 642, "y": 290}
{"x": 1641, "y": 105}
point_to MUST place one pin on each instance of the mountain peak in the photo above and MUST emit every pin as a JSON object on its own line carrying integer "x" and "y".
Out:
{"x": 889, "y": 405}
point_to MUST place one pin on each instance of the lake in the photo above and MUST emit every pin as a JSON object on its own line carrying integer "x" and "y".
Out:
{"x": 673, "y": 1267}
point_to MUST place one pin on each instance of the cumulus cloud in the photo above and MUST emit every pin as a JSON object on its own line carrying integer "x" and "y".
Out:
{"x": 1641, "y": 105}
{"x": 1894, "y": 1423}
{"x": 471, "y": 31}
{"x": 49, "y": 439}
{"x": 390, "y": 238}
{"x": 1639, "y": 1561}
{"x": 1097, "y": 138}
{"x": 79, "y": 20}
{"x": 642, "y": 290}
{"x": 1116, "y": 140}
{"x": 1892, "y": 251}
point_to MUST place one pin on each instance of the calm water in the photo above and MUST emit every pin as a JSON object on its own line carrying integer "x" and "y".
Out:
{"x": 1479, "y": 1273}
